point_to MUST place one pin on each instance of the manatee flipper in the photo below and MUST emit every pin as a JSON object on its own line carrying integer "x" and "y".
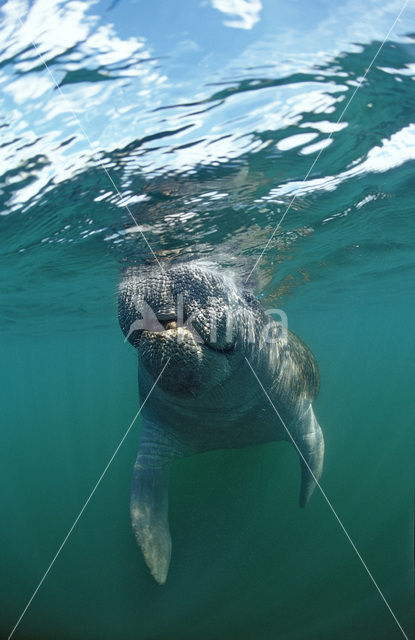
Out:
{"x": 149, "y": 498}
{"x": 310, "y": 441}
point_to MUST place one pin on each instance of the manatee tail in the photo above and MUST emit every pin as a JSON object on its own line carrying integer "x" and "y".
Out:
{"x": 149, "y": 499}
{"x": 310, "y": 442}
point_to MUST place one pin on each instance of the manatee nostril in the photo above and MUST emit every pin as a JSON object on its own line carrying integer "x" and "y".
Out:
{"x": 165, "y": 314}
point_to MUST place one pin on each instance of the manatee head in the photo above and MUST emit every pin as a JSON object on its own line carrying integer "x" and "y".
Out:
{"x": 191, "y": 315}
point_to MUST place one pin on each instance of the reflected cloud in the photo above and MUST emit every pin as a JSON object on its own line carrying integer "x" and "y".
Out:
{"x": 324, "y": 126}
{"x": 392, "y": 153}
{"x": 54, "y": 26}
{"x": 295, "y": 141}
{"x": 246, "y": 12}
{"x": 83, "y": 55}
{"x": 313, "y": 148}
{"x": 28, "y": 88}
{"x": 408, "y": 70}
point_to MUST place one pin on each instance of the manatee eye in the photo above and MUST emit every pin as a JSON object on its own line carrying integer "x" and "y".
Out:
{"x": 135, "y": 338}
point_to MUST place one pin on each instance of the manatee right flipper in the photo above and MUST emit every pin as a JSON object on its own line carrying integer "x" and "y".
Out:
{"x": 149, "y": 497}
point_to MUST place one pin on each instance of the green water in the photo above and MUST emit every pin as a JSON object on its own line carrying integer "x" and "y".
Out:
{"x": 197, "y": 126}
{"x": 247, "y": 562}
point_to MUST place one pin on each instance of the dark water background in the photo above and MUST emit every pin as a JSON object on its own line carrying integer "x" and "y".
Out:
{"x": 207, "y": 123}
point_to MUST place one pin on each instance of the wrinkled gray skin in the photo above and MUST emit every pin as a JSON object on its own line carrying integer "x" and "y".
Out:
{"x": 207, "y": 397}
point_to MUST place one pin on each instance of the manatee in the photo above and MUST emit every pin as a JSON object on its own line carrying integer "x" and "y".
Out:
{"x": 204, "y": 331}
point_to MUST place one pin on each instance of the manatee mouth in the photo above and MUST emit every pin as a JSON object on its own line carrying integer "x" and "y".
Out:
{"x": 194, "y": 364}
{"x": 171, "y": 325}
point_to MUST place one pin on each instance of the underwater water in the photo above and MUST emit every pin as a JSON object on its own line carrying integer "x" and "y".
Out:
{"x": 205, "y": 119}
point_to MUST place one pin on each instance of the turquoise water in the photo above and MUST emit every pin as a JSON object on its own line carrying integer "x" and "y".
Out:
{"x": 207, "y": 123}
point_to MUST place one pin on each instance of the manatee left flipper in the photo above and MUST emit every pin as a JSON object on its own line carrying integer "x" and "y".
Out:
{"x": 149, "y": 498}
{"x": 310, "y": 442}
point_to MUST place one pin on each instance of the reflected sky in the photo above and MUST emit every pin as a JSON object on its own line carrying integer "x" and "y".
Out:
{"x": 132, "y": 70}
{"x": 207, "y": 116}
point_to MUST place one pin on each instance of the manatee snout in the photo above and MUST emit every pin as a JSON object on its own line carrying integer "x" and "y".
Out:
{"x": 188, "y": 320}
